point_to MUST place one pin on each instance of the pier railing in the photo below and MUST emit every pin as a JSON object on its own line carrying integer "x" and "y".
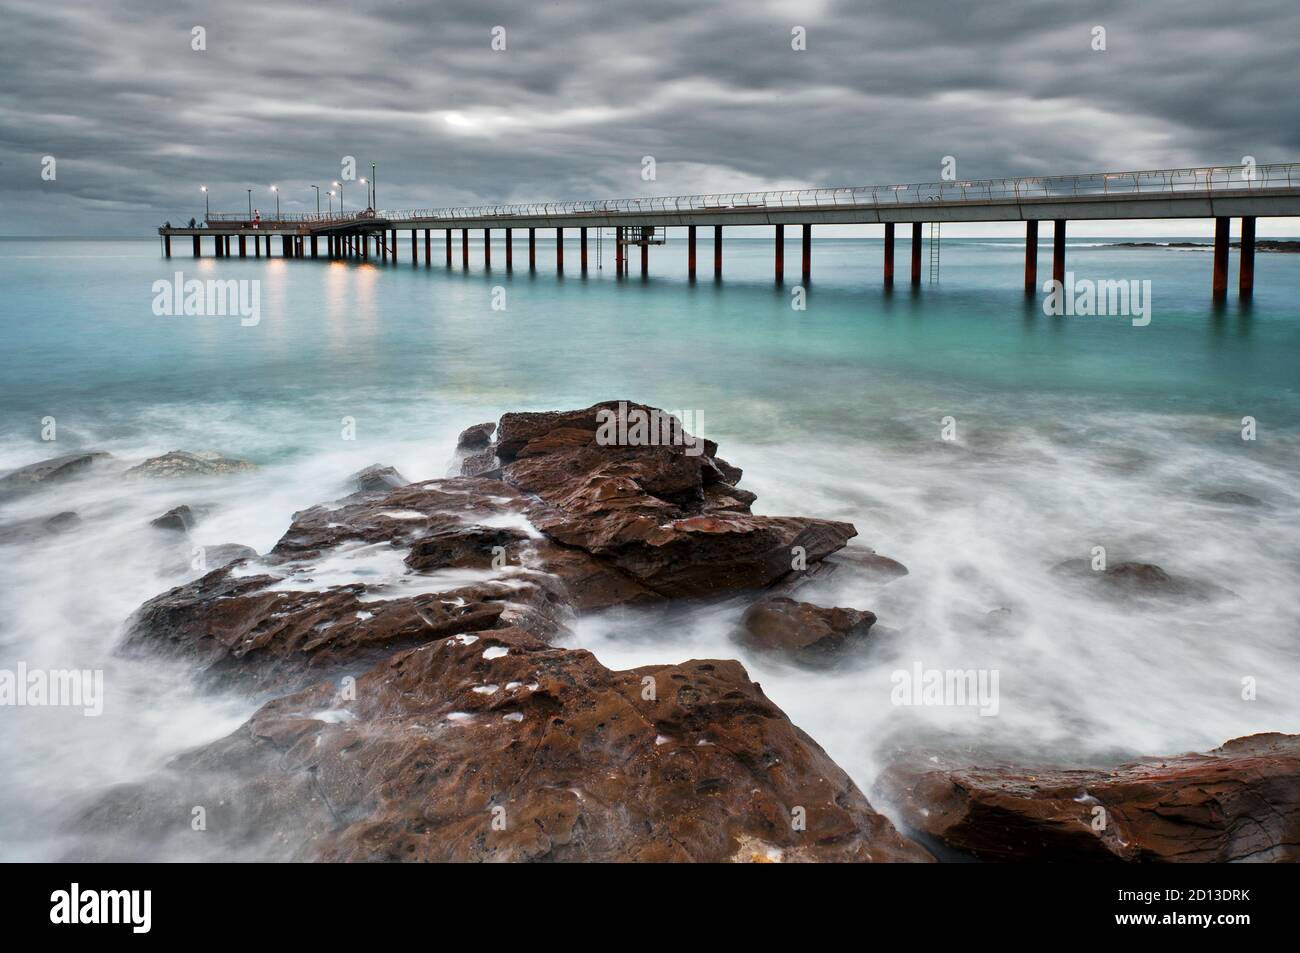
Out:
{"x": 1212, "y": 179}
{"x": 291, "y": 218}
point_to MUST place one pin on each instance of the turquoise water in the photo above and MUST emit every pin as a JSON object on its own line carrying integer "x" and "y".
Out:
{"x": 1071, "y": 432}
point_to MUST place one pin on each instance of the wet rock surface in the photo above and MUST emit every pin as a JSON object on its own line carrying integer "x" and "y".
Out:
{"x": 179, "y": 519}
{"x": 779, "y": 623}
{"x": 1136, "y": 579}
{"x": 377, "y": 479}
{"x": 1239, "y": 802}
{"x": 425, "y": 711}
{"x": 53, "y": 470}
{"x": 40, "y": 527}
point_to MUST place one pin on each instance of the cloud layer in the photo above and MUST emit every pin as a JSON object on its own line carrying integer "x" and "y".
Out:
{"x": 137, "y": 119}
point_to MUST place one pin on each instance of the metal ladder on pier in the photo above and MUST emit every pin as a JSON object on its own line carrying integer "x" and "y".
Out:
{"x": 935, "y": 245}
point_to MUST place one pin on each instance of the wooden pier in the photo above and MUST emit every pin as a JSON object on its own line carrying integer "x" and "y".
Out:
{"x": 1220, "y": 193}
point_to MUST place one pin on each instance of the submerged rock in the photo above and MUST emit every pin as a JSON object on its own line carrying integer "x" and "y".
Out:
{"x": 778, "y": 623}
{"x": 41, "y": 527}
{"x": 52, "y": 470}
{"x": 476, "y": 437}
{"x": 179, "y": 519}
{"x": 182, "y": 463}
{"x": 1140, "y": 579}
{"x": 1239, "y": 802}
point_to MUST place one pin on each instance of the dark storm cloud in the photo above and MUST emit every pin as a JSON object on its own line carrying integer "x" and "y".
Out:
{"x": 137, "y": 120}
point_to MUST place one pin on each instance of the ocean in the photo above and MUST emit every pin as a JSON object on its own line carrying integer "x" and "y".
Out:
{"x": 962, "y": 430}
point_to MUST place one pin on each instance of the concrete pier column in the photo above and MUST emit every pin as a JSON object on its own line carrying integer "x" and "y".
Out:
{"x": 394, "y": 245}
{"x": 1246, "y": 264}
{"x": 559, "y": 249}
{"x": 257, "y": 246}
{"x": 286, "y": 249}
{"x": 889, "y": 255}
{"x": 365, "y": 244}
{"x": 1058, "y": 250}
{"x": 690, "y": 252}
{"x": 415, "y": 247}
{"x": 780, "y": 254}
{"x": 807, "y": 253}
{"x": 618, "y": 251}
{"x": 464, "y": 248}
{"x": 382, "y": 238}
{"x": 216, "y": 246}
{"x": 532, "y": 249}
{"x": 428, "y": 248}
{"x": 487, "y": 248}
{"x": 243, "y": 247}
{"x": 582, "y": 247}
{"x": 313, "y": 246}
{"x": 167, "y": 245}
{"x": 645, "y": 250}
{"x": 448, "y": 237}
{"x": 1220, "y": 288}
{"x": 510, "y": 250}
{"x": 1031, "y": 257}
{"x": 717, "y": 251}
{"x": 916, "y": 254}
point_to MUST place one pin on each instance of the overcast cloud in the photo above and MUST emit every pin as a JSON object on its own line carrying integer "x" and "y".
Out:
{"x": 137, "y": 120}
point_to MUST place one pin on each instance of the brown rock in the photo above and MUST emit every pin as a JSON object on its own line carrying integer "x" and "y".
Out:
{"x": 1240, "y": 802}
{"x": 476, "y": 437}
{"x": 778, "y": 623}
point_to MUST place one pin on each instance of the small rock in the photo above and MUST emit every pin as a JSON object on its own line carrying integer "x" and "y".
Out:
{"x": 184, "y": 463}
{"x": 780, "y": 623}
{"x": 179, "y": 519}
{"x": 1233, "y": 498}
{"x": 378, "y": 478}
{"x": 474, "y": 438}
{"x": 48, "y": 471}
{"x": 25, "y": 531}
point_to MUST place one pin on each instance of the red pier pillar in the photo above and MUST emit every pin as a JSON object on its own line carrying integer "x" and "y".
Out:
{"x": 582, "y": 247}
{"x": 916, "y": 254}
{"x": 510, "y": 250}
{"x": 807, "y": 253}
{"x": 717, "y": 251}
{"x": 1220, "y": 288}
{"x": 690, "y": 252}
{"x": 464, "y": 248}
{"x": 889, "y": 255}
{"x": 532, "y": 249}
{"x": 1058, "y": 250}
{"x": 1031, "y": 257}
{"x": 780, "y": 254}
{"x": 559, "y": 249}
{"x": 1246, "y": 265}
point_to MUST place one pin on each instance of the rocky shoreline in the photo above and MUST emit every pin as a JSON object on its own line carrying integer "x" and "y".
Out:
{"x": 421, "y": 705}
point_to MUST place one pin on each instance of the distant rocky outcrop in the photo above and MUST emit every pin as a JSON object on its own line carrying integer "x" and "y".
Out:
{"x": 53, "y": 470}
{"x": 180, "y": 463}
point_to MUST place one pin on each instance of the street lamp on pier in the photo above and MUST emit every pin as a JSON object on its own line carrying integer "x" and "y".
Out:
{"x": 207, "y": 212}
{"x": 366, "y": 181}
{"x": 276, "y": 190}
{"x": 374, "y": 185}
{"x": 250, "y": 203}
{"x": 330, "y": 193}
{"x": 339, "y": 186}
{"x": 317, "y": 188}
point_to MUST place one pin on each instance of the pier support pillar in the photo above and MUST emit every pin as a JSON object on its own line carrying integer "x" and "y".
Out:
{"x": 167, "y": 245}
{"x": 582, "y": 247}
{"x": 779, "y": 252}
{"x": 532, "y": 249}
{"x": 243, "y": 247}
{"x": 285, "y": 250}
{"x": 559, "y": 249}
{"x": 510, "y": 250}
{"x": 889, "y": 255}
{"x": 690, "y": 252}
{"x": 487, "y": 248}
{"x": 916, "y": 254}
{"x": 428, "y": 248}
{"x": 415, "y": 247}
{"x": 1220, "y": 287}
{"x": 382, "y": 238}
{"x": 257, "y": 246}
{"x": 1246, "y": 264}
{"x": 313, "y": 246}
{"x": 807, "y": 253}
{"x": 1058, "y": 250}
{"x": 717, "y": 251}
{"x": 464, "y": 248}
{"x": 1031, "y": 257}
{"x": 448, "y": 237}
{"x": 365, "y": 244}
{"x": 618, "y": 251}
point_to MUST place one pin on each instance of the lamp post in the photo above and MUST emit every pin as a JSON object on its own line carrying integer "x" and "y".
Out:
{"x": 366, "y": 182}
{"x": 250, "y": 203}
{"x": 330, "y": 193}
{"x": 317, "y": 188}
{"x": 374, "y": 184}
{"x": 276, "y": 190}
{"x": 207, "y": 212}
{"x": 339, "y": 186}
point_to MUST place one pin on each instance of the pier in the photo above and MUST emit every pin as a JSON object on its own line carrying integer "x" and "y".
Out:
{"x": 1219, "y": 193}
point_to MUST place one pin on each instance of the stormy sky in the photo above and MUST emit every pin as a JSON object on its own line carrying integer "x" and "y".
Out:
{"x": 136, "y": 119}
